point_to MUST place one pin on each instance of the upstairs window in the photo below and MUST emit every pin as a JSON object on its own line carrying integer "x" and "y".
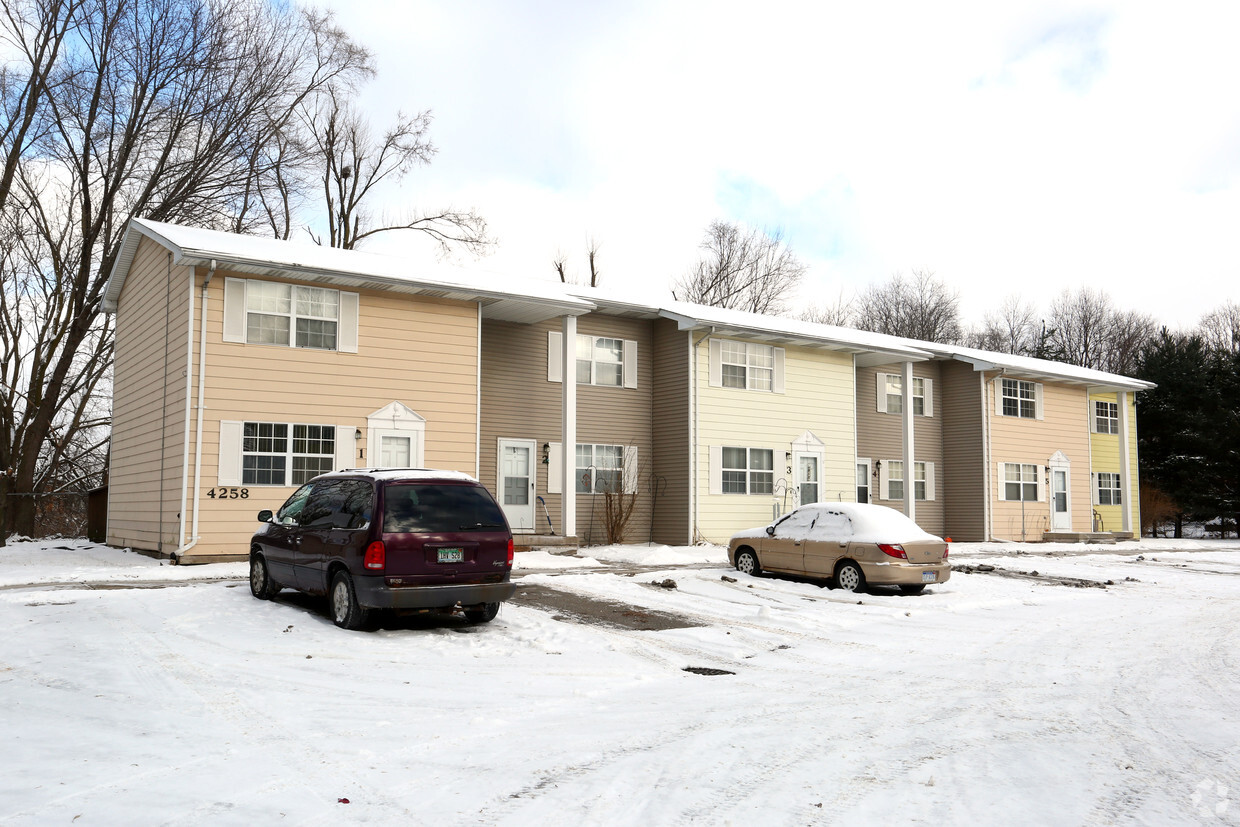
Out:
{"x": 1106, "y": 418}
{"x": 1020, "y": 399}
{"x": 600, "y": 361}
{"x": 289, "y": 315}
{"x": 891, "y": 394}
{"x": 747, "y": 365}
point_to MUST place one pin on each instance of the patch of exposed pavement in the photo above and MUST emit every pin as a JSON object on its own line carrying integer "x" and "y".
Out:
{"x": 575, "y": 608}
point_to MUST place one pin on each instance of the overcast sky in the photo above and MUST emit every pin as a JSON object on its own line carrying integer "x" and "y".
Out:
{"x": 1010, "y": 147}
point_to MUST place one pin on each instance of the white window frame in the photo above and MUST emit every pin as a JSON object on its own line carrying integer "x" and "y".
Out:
{"x": 1023, "y": 472}
{"x": 596, "y": 356}
{"x": 888, "y": 467}
{"x": 592, "y": 468}
{"x": 1109, "y": 419}
{"x": 555, "y": 360}
{"x": 890, "y": 387}
{"x": 750, "y": 474}
{"x": 1113, "y": 490}
{"x": 289, "y": 455}
{"x": 237, "y": 313}
{"x": 1027, "y": 398}
{"x": 752, "y": 353}
{"x": 923, "y": 481}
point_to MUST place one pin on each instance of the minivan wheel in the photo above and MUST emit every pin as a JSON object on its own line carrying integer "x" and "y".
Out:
{"x": 849, "y": 577}
{"x": 346, "y": 613}
{"x": 747, "y": 562}
{"x": 261, "y": 584}
{"x": 482, "y": 614}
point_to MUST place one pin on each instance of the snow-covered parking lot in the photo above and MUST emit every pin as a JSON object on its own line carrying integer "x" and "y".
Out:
{"x": 998, "y": 697}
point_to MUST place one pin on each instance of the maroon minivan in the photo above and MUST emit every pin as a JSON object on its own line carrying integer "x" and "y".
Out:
{"x": 407, "y": 539}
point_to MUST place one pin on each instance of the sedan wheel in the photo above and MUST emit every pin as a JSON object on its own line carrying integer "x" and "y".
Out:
{"x": 849, "y": 577}
{"x": 346, "y": 613}
{"x": 261, "y": 584}
{"x": 747, "y": 562}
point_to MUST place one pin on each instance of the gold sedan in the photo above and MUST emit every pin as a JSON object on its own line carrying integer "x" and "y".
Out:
{"x": 848, "y": 543}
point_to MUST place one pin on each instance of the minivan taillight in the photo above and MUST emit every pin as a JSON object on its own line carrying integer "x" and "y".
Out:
{"x": 509, "y": 552}
{"x": 893, "y": 550}
{"x": 376, "y": 555}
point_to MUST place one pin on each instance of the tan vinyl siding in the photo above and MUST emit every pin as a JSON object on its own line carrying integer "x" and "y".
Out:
{"x": 671, "y": 434}
{"x": 519, "y": 403}
{"x": 148, "y": 404}
{"x": 964, "y": 471}
{"x": 880, "y": 436}
{"x": 1064, "y": 427}
{"x": 418, "y": 351}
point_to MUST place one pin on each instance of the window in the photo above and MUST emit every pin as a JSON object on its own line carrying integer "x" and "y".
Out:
{"x": 267, "y": 453}
{"x": 1020, "y": 399}
{"x": 1020, "y": 482}
{"x": 895, "y": 479}
{"x": 919, "y": 481}
{"x": 746, "y": 365}
{"x": 291, "y": 315}
{"x": 1109, "y": 490}
{"x": 748, "y": 470}
{"x": 863, "y": 480}
{"x": 600, "y": 361}
{"x": 600, "y": 468}
{"x": 894, "y": 392}
{"x": 1106, "y": 418}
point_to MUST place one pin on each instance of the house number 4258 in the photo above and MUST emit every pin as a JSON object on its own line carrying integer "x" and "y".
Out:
{"x": 229, "y": 493}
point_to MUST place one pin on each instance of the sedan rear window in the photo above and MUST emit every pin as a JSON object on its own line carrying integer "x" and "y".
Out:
{"x": 439, "y": 508}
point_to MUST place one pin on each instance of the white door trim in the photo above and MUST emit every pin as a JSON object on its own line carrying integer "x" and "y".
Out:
{"x": 520, "y": 516}
{"x": 1059, "y": 464}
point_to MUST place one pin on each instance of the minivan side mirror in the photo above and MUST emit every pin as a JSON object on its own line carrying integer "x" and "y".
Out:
{"x": 265, "y": 515}
{"x": 770, "y": 531}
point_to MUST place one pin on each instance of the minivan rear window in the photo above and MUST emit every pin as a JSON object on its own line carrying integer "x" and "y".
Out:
{"x": 439, "y": 508}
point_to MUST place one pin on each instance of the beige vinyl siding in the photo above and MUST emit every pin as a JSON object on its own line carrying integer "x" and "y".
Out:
{"x": 518, "y": 402}
{"x": 818, "y": 397}
{"x": 148, "y": 404}
{"x": 964, "y": 471}
{"x": 1064, "y": 427}
{"x": 880, "y": 436}
{"x": 671, "y": 521}
{"x": 418, "y": 351}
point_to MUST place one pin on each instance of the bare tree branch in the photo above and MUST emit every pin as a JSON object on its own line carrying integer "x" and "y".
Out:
{"x": 742, "y": 268}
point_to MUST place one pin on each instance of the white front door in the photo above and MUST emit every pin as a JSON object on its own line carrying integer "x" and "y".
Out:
{"x": 807, "y": 479}
{"x": 515, "y": 485}
{"x": 1061, "y": 517}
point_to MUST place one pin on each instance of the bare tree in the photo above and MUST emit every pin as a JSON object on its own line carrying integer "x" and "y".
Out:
{"x": 352, "y": 163}
{"x": 1087, "y": 330}
{"x": 1127, "y": 333}
{"x": 743, "y": 269}
{"x": 169, "y": 109}
{"x": 919, "y": 307}
{"x": 1014, "y": 329}
{"x": 1221, "y": 328}
{"x": 839, "y": 313}
{"x": 560, "y": 263}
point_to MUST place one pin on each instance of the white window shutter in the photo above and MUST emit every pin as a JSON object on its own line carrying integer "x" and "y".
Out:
{"x": 1001, "y": 476}
{"x": 229, "y": 470}
{"x": 630, "y": 363}
{"x": 234, "y": 310}
{"x": 346, "y": 338}
{"x": 346, "y": 448}
{"x": 880, "y": 385}
{"x": 1041, "y": 477}
{"x": 1037, "y": 400}
{"x": 631, "y": 475}
{"x": 716, "y": 363}
{"x": 998, "y": 387}
{"x": 1093, "y": 484}
{"x": 777, "y": 382}
{"x": 929, "y": 469}
{"x": 716, "y": 469}
{"x": 883, "y": 493}
{"x": 555, "y": 356}
{"x": 928, "y": 386}
{"x": 555, "y": 469}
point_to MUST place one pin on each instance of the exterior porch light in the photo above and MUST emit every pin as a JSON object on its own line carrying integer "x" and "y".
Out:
{"x": 546, "y": 452}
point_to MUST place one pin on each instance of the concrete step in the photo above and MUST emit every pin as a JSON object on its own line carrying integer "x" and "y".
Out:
{"x": 550, "y": 542}
{"x": 1104, "y": 537}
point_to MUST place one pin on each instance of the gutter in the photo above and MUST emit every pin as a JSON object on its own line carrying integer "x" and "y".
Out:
{"x": 202, "y": 390}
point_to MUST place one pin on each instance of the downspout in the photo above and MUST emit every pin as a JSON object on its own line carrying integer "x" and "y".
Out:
{"x": 987, "y": 528}
{"x": 478, "y": 409}
{"x": 189, "y": 402}
{"x": 694, "y": 499}
{"x": 202, "y": 391}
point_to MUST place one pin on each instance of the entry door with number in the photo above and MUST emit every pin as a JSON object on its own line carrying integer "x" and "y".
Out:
{"x": 516, "y": 482}
{"x": 1061, "y": 519}
{"x": 807, "y": 478}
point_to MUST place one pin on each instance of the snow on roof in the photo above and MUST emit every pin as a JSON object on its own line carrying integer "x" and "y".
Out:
{"x": 302, "y": 259}
{"x": 1040, "y": 368}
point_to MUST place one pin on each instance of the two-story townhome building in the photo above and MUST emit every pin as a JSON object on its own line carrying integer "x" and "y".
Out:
{"x": 245, "y": 366}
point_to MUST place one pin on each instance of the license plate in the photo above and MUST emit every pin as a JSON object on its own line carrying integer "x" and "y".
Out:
{"x": 928, "y": 577}
{"x": 451, "y": 555}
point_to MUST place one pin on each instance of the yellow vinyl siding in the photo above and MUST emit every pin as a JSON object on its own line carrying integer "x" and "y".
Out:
{"x": 1104, "y": 451}
{"x": 818, "y": 397}
{"x": 148, "y": 404}
{"x": 419, "y": 351}
{"x": 1064, "y": 428}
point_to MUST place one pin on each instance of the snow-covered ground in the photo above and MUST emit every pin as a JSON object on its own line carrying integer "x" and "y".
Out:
{"x": 988, "y": 699}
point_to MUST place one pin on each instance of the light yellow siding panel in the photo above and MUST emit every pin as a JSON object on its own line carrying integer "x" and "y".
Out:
{"x": 818, "y": 397}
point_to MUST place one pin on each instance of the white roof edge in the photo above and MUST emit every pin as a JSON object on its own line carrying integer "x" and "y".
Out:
{"x": 1029, "y": 365}
{"x": 864, "y": 340}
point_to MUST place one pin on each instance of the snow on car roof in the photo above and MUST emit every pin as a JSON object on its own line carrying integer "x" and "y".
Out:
{"x": 417, "y": 474}
{"x": 875, "y": 523}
